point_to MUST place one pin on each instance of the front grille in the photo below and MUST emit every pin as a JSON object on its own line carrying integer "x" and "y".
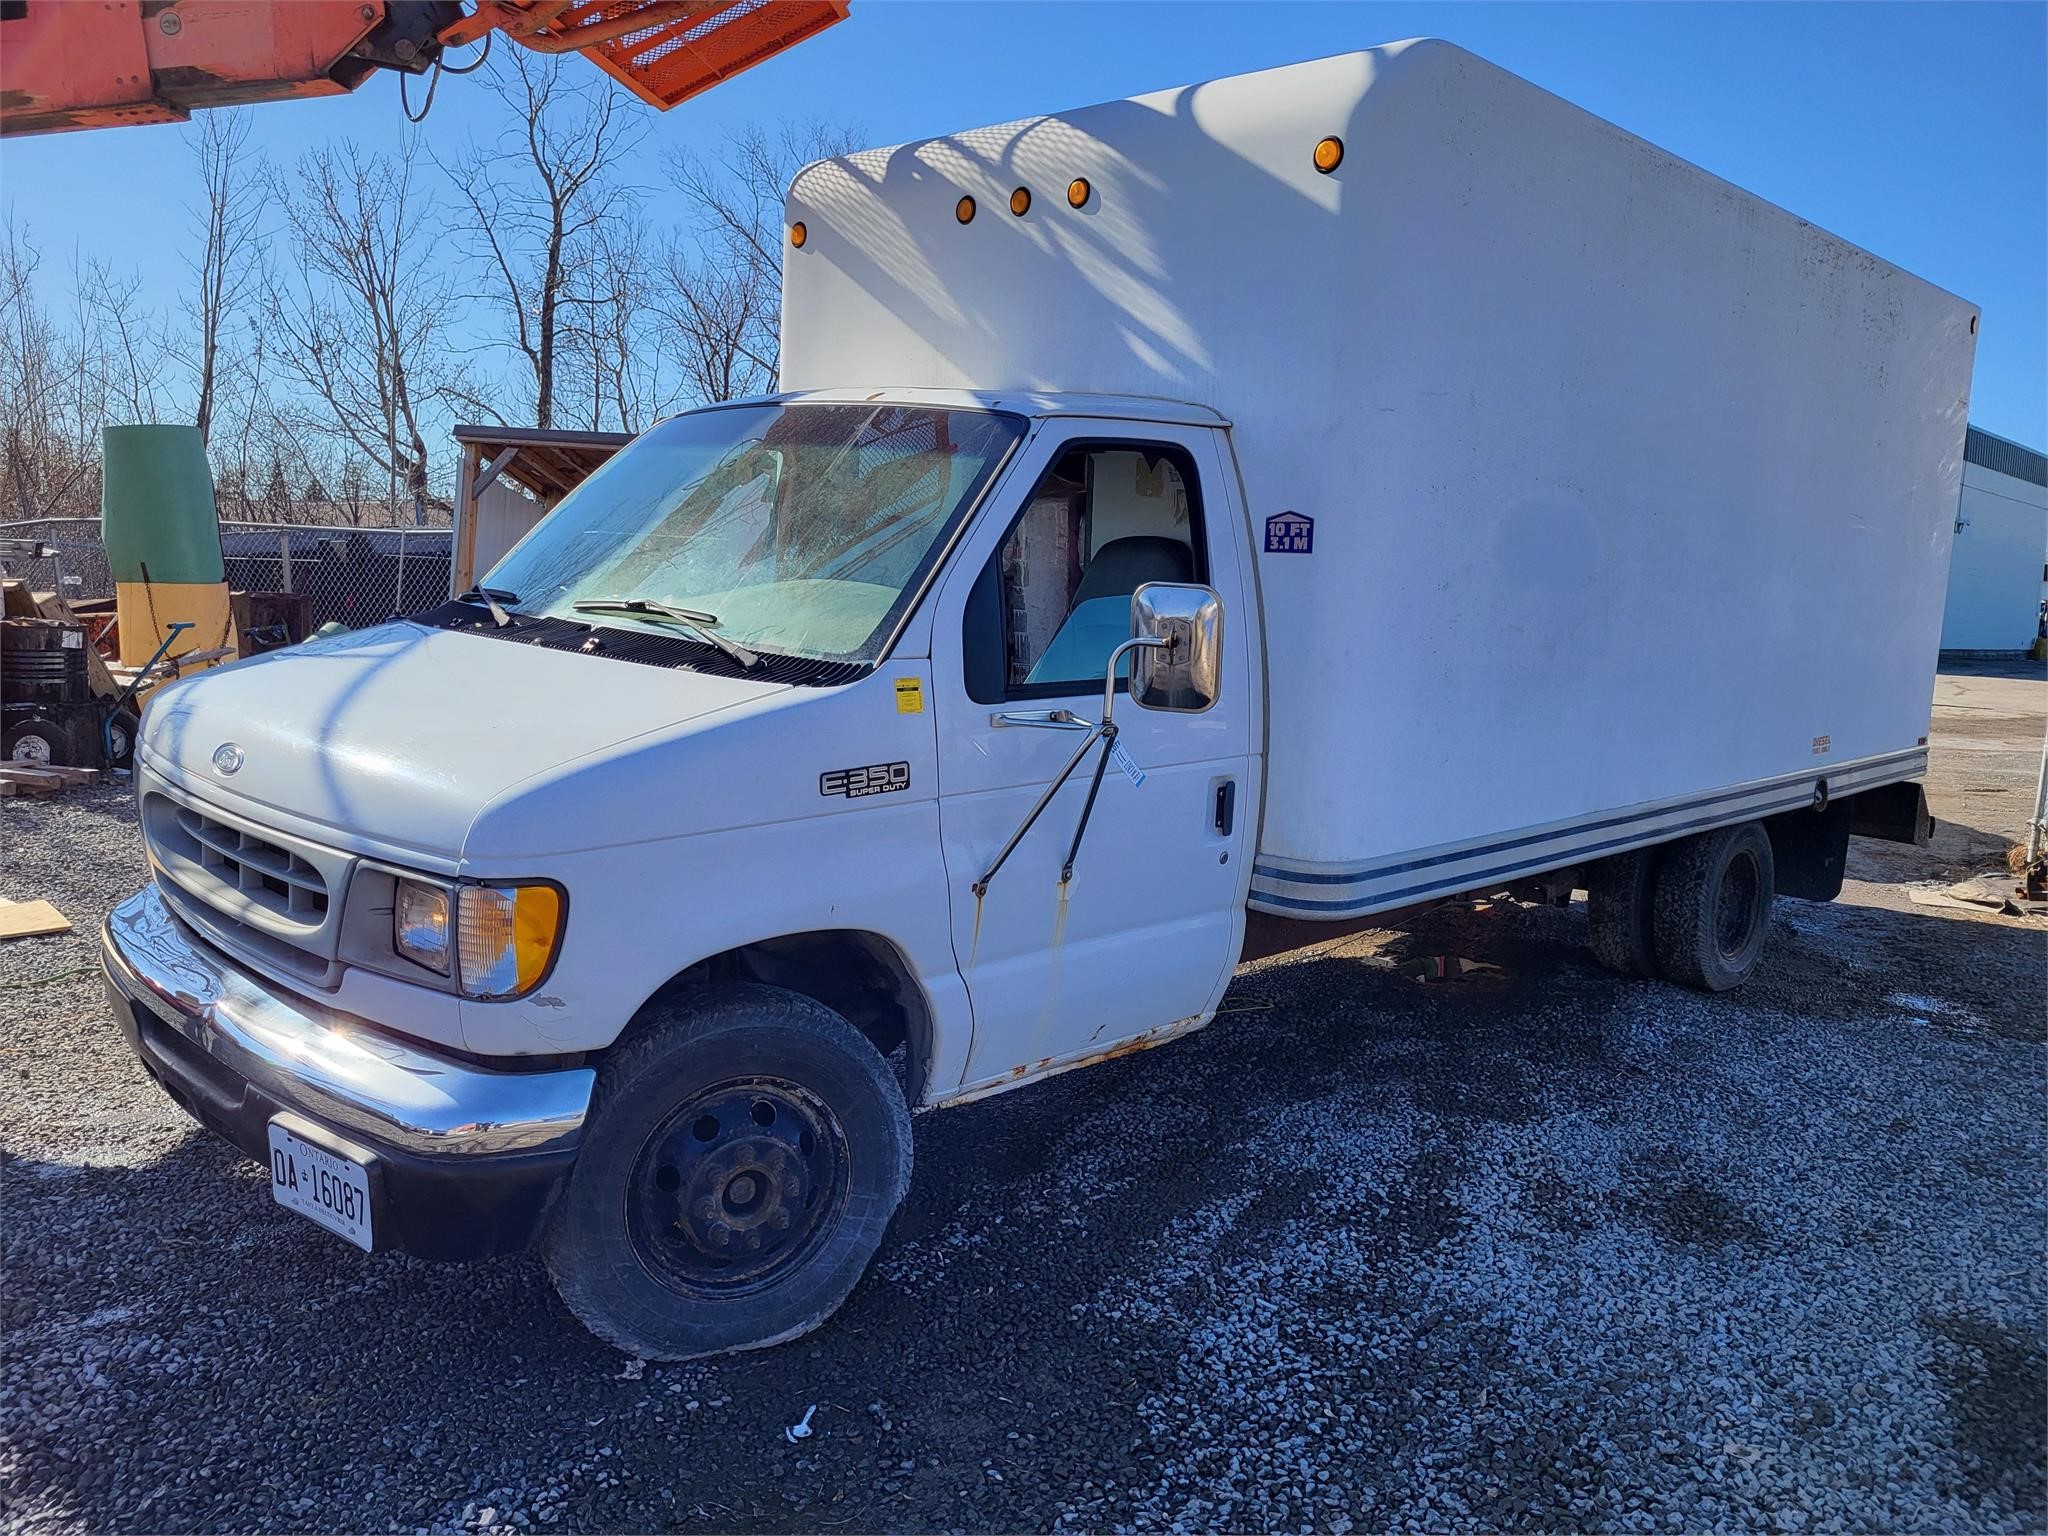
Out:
{"x": 274, "y": 897}
{"x": 273, "y": 877}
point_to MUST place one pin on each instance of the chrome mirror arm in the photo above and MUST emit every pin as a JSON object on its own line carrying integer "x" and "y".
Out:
{"x": 1059, "y": 719}
{"x": 1095, "y": 732}
{"x": 1135, "y": 643}
{"x": 1108, "y": 734}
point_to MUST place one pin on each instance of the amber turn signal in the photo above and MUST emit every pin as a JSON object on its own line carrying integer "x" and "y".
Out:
{"x": 1020, "y": 201}
{"x": 1078, "y": 191}
{"x": 798, "y": 235}
{"x": 506, "y": 937}
{"x": 964, "y": 210}
{"x": 1329, "y": 155}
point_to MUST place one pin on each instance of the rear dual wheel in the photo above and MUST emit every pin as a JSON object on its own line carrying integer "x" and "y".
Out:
{"x": 1711, "y": 912}
{"x": 745, "y": 1151}
{"x": 1619, "y": 896}
{"x": 1696, "y": 912}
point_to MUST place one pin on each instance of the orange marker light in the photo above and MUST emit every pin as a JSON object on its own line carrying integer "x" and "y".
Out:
{"x": 1020, "y": 201}
{"x": 1329, "y": 155}
{"x": 798, "y": 235}
{"x": 964, "y": 210}
{"x": 1078, "y": 192}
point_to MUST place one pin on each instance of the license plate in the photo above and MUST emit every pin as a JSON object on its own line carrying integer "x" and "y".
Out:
{"x": 330, "y": 1190}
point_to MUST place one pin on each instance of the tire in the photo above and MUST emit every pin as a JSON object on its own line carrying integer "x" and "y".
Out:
{"x": 121, "y": 733}
{"x": 1620, "y": 898}
{"x": 36, "y": 742}
{"x": 1711, "y": 913}
{"x": 729, "y": 1110}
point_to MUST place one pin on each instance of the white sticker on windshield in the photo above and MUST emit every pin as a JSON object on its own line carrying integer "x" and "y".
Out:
{"x": 1125, "y": 765}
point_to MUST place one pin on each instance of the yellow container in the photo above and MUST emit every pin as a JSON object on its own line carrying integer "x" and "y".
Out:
{"x": 147, "y": 610}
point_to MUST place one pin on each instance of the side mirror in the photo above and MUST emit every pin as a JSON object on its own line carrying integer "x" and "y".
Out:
{"x": 1182, "y": 670}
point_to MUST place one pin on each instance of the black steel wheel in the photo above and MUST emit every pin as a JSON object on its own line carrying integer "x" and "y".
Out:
{"x": 739, "y": 1184}
{"x": 1735, "y": 903}
{"x": 745, "y": 1150}
{"x": 1712, "y": 907}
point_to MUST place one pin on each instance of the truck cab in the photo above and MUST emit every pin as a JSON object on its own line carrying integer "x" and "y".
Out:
{"x": 745, "y": 721}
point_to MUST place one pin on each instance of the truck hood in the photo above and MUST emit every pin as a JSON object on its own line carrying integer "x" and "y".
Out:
{"x": 390, "y": 740}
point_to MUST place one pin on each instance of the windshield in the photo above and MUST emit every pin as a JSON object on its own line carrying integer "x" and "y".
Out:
{"x": 799, "y": 530}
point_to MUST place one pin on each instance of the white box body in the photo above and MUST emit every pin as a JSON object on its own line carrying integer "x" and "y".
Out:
{"x": 1632, "y": 494}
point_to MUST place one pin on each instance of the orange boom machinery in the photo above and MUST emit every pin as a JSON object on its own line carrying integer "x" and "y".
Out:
{"x": 101, "y": 63}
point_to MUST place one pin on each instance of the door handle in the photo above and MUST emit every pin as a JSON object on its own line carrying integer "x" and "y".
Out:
{"x": 1226, "y": 807}
{"x": 1041, "y": 719}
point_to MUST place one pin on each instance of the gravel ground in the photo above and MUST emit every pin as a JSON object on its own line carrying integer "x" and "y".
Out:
{"x": 1547, "y": 1250}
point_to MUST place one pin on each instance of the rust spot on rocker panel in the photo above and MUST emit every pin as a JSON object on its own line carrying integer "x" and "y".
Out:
{"x": 1047, "y": 1066}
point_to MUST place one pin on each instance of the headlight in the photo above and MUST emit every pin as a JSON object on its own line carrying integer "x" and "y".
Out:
{"x": 419, "y": 924}
{"x": 506, "y": 937}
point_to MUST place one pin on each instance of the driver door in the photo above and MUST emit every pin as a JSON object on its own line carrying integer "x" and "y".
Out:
{"x": 1146, "y": 933}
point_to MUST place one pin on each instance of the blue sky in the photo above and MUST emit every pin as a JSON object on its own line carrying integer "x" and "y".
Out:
{"x": 1917, "y": 131}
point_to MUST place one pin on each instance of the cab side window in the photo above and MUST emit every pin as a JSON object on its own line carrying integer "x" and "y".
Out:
{"x": 1055, "y": 598}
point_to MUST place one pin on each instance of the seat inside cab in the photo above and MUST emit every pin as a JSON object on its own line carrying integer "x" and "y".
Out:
{"x": 1102, "y": 523}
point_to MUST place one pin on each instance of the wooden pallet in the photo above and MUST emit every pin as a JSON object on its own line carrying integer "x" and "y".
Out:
{"x": 34, "y": 780}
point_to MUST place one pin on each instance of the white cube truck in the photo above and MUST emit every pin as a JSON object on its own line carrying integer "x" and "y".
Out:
{"x": 1249, "y": 507}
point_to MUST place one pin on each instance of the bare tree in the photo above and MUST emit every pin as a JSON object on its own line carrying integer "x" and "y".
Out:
{"x": 227, "y": 227}
{"x": 64, "y": 378}
{"x": 351, "y": 488}
{"x": 721, "y": 324}
{"x": 334, "y": 484}
{"x": 123, "y": 350}
{"x": 362, "y": 322}
{"x": 30, "y": 368}
{"x": 540, "y": 203}
{"x": 322, "y": 370}
{"x": 617, "y": 353}
{"x": 245, "y": 424}
{"x": 725, "y": 285}
{"x": 254, "y": 424}
{"x": 277, "y": 492}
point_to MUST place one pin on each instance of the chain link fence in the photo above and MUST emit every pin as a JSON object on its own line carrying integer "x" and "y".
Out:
{"x": 77, "y": 569}
{"x": 355, "y": 576}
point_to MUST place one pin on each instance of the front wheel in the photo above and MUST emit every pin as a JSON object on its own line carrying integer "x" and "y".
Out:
{"x": 745, "y": 1151}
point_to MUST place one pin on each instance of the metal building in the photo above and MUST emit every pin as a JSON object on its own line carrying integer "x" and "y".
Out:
{"x": 1998, "y": 573}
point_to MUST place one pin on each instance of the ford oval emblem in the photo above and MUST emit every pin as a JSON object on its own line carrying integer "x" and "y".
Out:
{"x": 227, "y": 759}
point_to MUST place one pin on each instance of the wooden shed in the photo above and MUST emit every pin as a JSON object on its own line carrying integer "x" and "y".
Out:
{"x": 510, "y": 478}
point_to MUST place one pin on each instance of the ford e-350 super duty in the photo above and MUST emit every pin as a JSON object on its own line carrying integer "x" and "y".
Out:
{"x": 1256, "y": 506}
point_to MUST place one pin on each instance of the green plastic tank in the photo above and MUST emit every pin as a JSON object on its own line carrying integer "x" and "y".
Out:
{"x": 156, "y": 506}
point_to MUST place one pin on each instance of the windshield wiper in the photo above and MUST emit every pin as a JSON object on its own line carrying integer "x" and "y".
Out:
{"x": 491, "y": 597}
{"x": 706, "y": 624}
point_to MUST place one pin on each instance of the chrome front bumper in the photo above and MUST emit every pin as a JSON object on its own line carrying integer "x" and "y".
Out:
{"x": 331, "y": 1066}
{"x": 463, "y": 1162}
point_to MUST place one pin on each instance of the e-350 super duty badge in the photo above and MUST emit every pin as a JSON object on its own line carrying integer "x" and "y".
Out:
{"x": 875, "y": 779}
